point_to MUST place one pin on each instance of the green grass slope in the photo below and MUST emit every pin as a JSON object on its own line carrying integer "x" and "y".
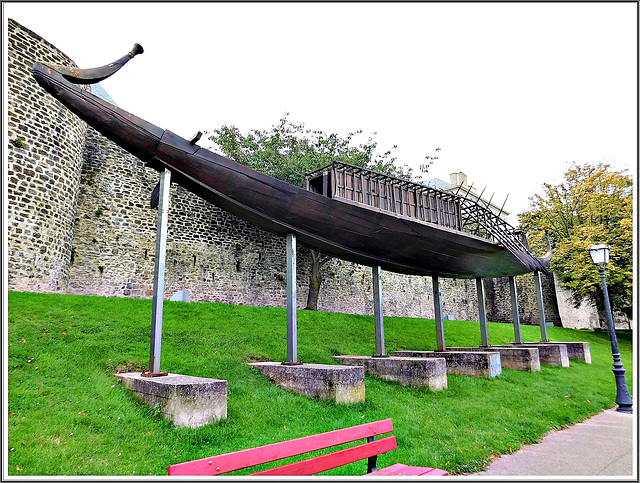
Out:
{"x": 69, "y": 415}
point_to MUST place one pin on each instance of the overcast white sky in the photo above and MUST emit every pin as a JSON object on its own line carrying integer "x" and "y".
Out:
{"x": 511, "y": 93}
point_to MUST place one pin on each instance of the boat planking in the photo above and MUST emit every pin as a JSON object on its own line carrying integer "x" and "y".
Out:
{"x": 347, "y": 230}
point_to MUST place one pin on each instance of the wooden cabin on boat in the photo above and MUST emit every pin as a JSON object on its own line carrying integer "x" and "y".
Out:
{"x": 354, "y": 184}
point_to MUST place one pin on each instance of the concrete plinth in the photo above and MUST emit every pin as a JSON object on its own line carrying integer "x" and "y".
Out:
{"x": 520, "y": 358}
{"x": 185, "y": 400}
{"x": 409, "y": 371}
{"x": 344, "y": 384}
{"x": 578, "y": 351}
{"x": 552, "y": 354}
{"x": 465, "y": 363}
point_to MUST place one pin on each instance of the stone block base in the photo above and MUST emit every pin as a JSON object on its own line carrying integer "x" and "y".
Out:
{"x": 552, "y": 354}
{"x": 185, "y": 400}
{"x": 578, "y": 351}
{"x": 409, "y": 371}
{"x": 344, "y": 384}
{"x": 465, "y": 363}
{"x": 520, "y": 358}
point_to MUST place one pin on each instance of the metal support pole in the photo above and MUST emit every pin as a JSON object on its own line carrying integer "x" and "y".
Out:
{"x": 623, "y": 399}
{"x": 292, "y": 303}
{"x": 437, "y": 309}
{"x": 377, "y": 312}
{"x": 482, "y": 313}
{"x": 543, "y": 320}
{"x": 158, "y": 272}
{"x": 515, "y": 313}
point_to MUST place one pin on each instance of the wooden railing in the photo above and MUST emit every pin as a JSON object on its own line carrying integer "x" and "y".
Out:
{"x": 355, "y": 184}
{"x": 394, "y": 195}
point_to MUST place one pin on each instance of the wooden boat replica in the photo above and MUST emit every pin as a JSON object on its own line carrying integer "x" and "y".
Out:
{"x": 346, "y": 211}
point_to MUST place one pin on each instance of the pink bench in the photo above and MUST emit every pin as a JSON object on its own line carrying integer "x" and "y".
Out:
{"x": 225, "y": 463}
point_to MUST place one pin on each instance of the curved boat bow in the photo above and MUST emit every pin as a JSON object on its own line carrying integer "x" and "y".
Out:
{"x": 96, "y": 74}
{"x": 546, "y": 259}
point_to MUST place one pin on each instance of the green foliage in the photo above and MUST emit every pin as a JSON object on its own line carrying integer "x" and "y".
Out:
{"x": 287, "y": 151}
{"x": 18, "y": 142}
{"x": 592, "y": 205}
{"x": 69, "y": 415}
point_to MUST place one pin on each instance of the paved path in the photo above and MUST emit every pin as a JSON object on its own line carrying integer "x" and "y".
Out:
{"x": 600, "y": 446}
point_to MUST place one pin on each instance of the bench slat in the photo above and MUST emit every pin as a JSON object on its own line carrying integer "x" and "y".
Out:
{"x": 334, "y": 460}
{"x": 237, "y": 460}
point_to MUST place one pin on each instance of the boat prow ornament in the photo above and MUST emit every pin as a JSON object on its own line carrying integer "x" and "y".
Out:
{"x": 96, "y": 74}
{"x": 546, "y": 259}
{"x": 346, "y": 211}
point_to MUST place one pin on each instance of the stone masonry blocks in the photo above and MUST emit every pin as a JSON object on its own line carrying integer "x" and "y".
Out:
{"x": 44, "y": 158}
{"x": 186, "y": 400}
{"x": 519, "y": 358}
{"x": 464, "y": 363}
{"x": 344, "y": 384}
{"x": 578, "y": 351}
{"x": 552, "y": 354}
{"x": 408, "y": 371}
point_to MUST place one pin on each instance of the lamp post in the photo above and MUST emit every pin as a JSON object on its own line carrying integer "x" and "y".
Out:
{"x": 600, "y": 256}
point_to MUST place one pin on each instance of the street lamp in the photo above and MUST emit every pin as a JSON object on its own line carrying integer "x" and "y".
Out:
{"x": 600, "y": 256}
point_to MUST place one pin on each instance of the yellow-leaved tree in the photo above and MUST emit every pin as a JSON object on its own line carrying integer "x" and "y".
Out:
{"x": 592, "y": 205}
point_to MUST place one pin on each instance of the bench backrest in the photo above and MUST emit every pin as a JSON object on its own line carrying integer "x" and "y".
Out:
{"x": 237, "y": 460}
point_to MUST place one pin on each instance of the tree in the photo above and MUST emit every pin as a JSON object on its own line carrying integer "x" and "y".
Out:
{"x": 592, "y": 205}
{"x": 287, "y": 151}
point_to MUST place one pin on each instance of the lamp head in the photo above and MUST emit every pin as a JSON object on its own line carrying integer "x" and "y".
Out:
{"x": 600, "y": 254}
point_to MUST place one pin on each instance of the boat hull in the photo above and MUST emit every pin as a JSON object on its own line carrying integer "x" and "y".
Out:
{"x": 348, "y": 231}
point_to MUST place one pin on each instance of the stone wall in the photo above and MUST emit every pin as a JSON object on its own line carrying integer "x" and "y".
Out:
{"x": 499, "y": 300}
{"x": 79, "y": 221}
{"x": 349, "y": 288}
{"x": 214, "y": 255}
{"x": 44, "y": 158}
{"x": 584, "y": 315}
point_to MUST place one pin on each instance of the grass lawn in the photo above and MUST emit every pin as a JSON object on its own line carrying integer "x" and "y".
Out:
{"x": 69, "y": 415}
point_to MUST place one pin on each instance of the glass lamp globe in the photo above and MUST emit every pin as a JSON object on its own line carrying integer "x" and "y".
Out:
{"x": 600, "y": 254}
